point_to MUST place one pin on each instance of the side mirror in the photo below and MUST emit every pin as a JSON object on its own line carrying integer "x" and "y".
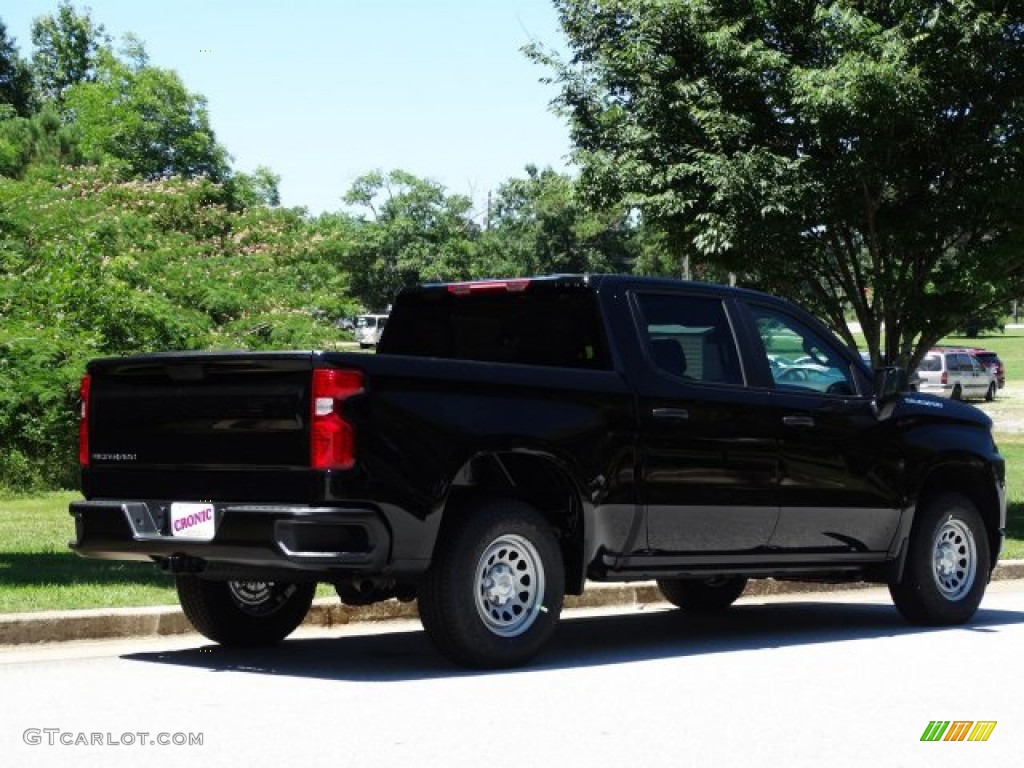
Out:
{"x": 889, "y": 382}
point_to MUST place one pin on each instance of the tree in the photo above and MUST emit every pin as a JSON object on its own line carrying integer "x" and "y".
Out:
{"x": 42, "y": 141}
{"x": 257, "y": 188}
{"x": 67, "y": 50}
{"x": 415, "y": 232}
{"x": 15, "y": 78}
{"x": 540, "y": 224}
{"x": 143, "y": 121}
{"x": 854, "y": 155}
{"x": 91, "y": 267}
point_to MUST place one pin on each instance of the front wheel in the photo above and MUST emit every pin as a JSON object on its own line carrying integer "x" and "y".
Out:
{"x": 244, "y": 613}
{"x": 990, "y": 393}
{"x": 493, "y": 595}
{"x": 703, "y": 595}
{"x": 947, "y": 564}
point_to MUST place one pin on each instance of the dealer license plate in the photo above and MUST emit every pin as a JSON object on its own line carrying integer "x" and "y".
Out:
{"x": 190, "y": 520}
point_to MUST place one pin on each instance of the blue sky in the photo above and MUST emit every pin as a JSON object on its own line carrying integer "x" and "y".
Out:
{"x": 322, "y": 92}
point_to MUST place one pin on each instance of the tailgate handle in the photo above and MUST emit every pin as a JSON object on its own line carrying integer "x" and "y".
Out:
{"x": 798, "y": 421}
{"x": 671, "y": 414}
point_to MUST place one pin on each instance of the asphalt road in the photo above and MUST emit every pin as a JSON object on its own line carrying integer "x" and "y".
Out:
{"x": 819, "y": 680}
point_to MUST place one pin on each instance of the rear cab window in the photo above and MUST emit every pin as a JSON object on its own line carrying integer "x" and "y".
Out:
{"x": 531, "y": 323}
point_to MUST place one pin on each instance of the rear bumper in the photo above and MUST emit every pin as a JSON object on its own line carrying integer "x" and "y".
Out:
{"x": 253, "y": 536}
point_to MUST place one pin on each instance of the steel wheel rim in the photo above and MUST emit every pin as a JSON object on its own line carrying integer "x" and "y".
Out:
{"x": 954, "y": 559}
{"x": 259, "y": 598}
{"x": 509, "y": 588}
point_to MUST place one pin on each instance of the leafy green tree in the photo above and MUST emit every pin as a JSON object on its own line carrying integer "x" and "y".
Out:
{"x": 411, "y": 230}
{"x": 43, "y": 142}
{"x": 540, "y": 224}
{"x": 15, "y": 78}
{"x": 856, "y": 155}
{"x": 144, "y": 122}
{"x": 257, "y": 188}
{"x": 92, "y": 266}
{"x": 67, "y": 49}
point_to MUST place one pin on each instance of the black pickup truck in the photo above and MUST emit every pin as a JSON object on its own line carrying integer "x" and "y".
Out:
{"x": 513, "y": 439}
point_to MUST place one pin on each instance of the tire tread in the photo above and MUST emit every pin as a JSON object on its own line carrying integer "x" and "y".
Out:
{"x": 916, "y": 596}
{"x": 210, "y": 609}
{"x": 446, "y": 606}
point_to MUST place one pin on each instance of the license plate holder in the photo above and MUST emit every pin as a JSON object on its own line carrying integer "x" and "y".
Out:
{"x": 193, "y": 520}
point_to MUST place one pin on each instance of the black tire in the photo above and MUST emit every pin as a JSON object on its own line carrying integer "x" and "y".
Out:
{"x": 244, "y": 613}
{"x": 703, "y": 595}
{"x": 990, "y": 393}
{"x": 493, "y": 593}
{"x": 957, "y": 393}
{"x": 947, "y": 564}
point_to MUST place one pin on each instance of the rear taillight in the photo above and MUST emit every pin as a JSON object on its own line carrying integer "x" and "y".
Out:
{"x": 83, "y": 424}
{"x": 331, "y": 438}
{"x": 944, "y": 379}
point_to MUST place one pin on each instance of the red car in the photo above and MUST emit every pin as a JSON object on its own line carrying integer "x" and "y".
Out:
{"x": 991, "y": 360}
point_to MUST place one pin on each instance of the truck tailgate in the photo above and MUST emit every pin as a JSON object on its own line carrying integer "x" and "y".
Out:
{"x": 227, "y": 413}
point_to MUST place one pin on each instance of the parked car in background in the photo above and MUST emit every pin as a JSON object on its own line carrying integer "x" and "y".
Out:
{"x": 369, "y": 329}
{"x": 993, "y": 382}
{"x": 956, "y": 374}
{"x": 991, "y": 360}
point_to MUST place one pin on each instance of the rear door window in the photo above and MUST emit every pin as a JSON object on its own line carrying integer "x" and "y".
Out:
{"x": 690, "y": 337}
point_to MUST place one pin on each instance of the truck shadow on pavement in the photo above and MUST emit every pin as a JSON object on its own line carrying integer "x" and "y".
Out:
{"x": 403, "y": 655}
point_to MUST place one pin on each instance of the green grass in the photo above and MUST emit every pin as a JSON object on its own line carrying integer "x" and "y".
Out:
{"x": 38, "y": 572}
{"x": 1012, "y": 449}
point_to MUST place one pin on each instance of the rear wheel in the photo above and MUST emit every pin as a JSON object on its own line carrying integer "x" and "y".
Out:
{"x": 957, "y": 393}
{"x": 244, "y": 612}
{"x": 493, "y": 594}
{"x": 990, "y": 394}
{"x": 703, "y": 595}
{"x": 947, "y": 563}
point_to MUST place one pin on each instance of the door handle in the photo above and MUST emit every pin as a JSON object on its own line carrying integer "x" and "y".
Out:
{"x": 671, "y": 414}
{"x": 798, "y": 421}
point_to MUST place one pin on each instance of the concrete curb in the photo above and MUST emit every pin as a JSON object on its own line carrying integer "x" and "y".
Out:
{"x": 103, "y": 623}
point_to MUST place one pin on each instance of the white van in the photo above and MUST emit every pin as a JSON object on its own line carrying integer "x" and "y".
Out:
{"x": 368, "y": 329}
{"x": 956, "y": 374}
